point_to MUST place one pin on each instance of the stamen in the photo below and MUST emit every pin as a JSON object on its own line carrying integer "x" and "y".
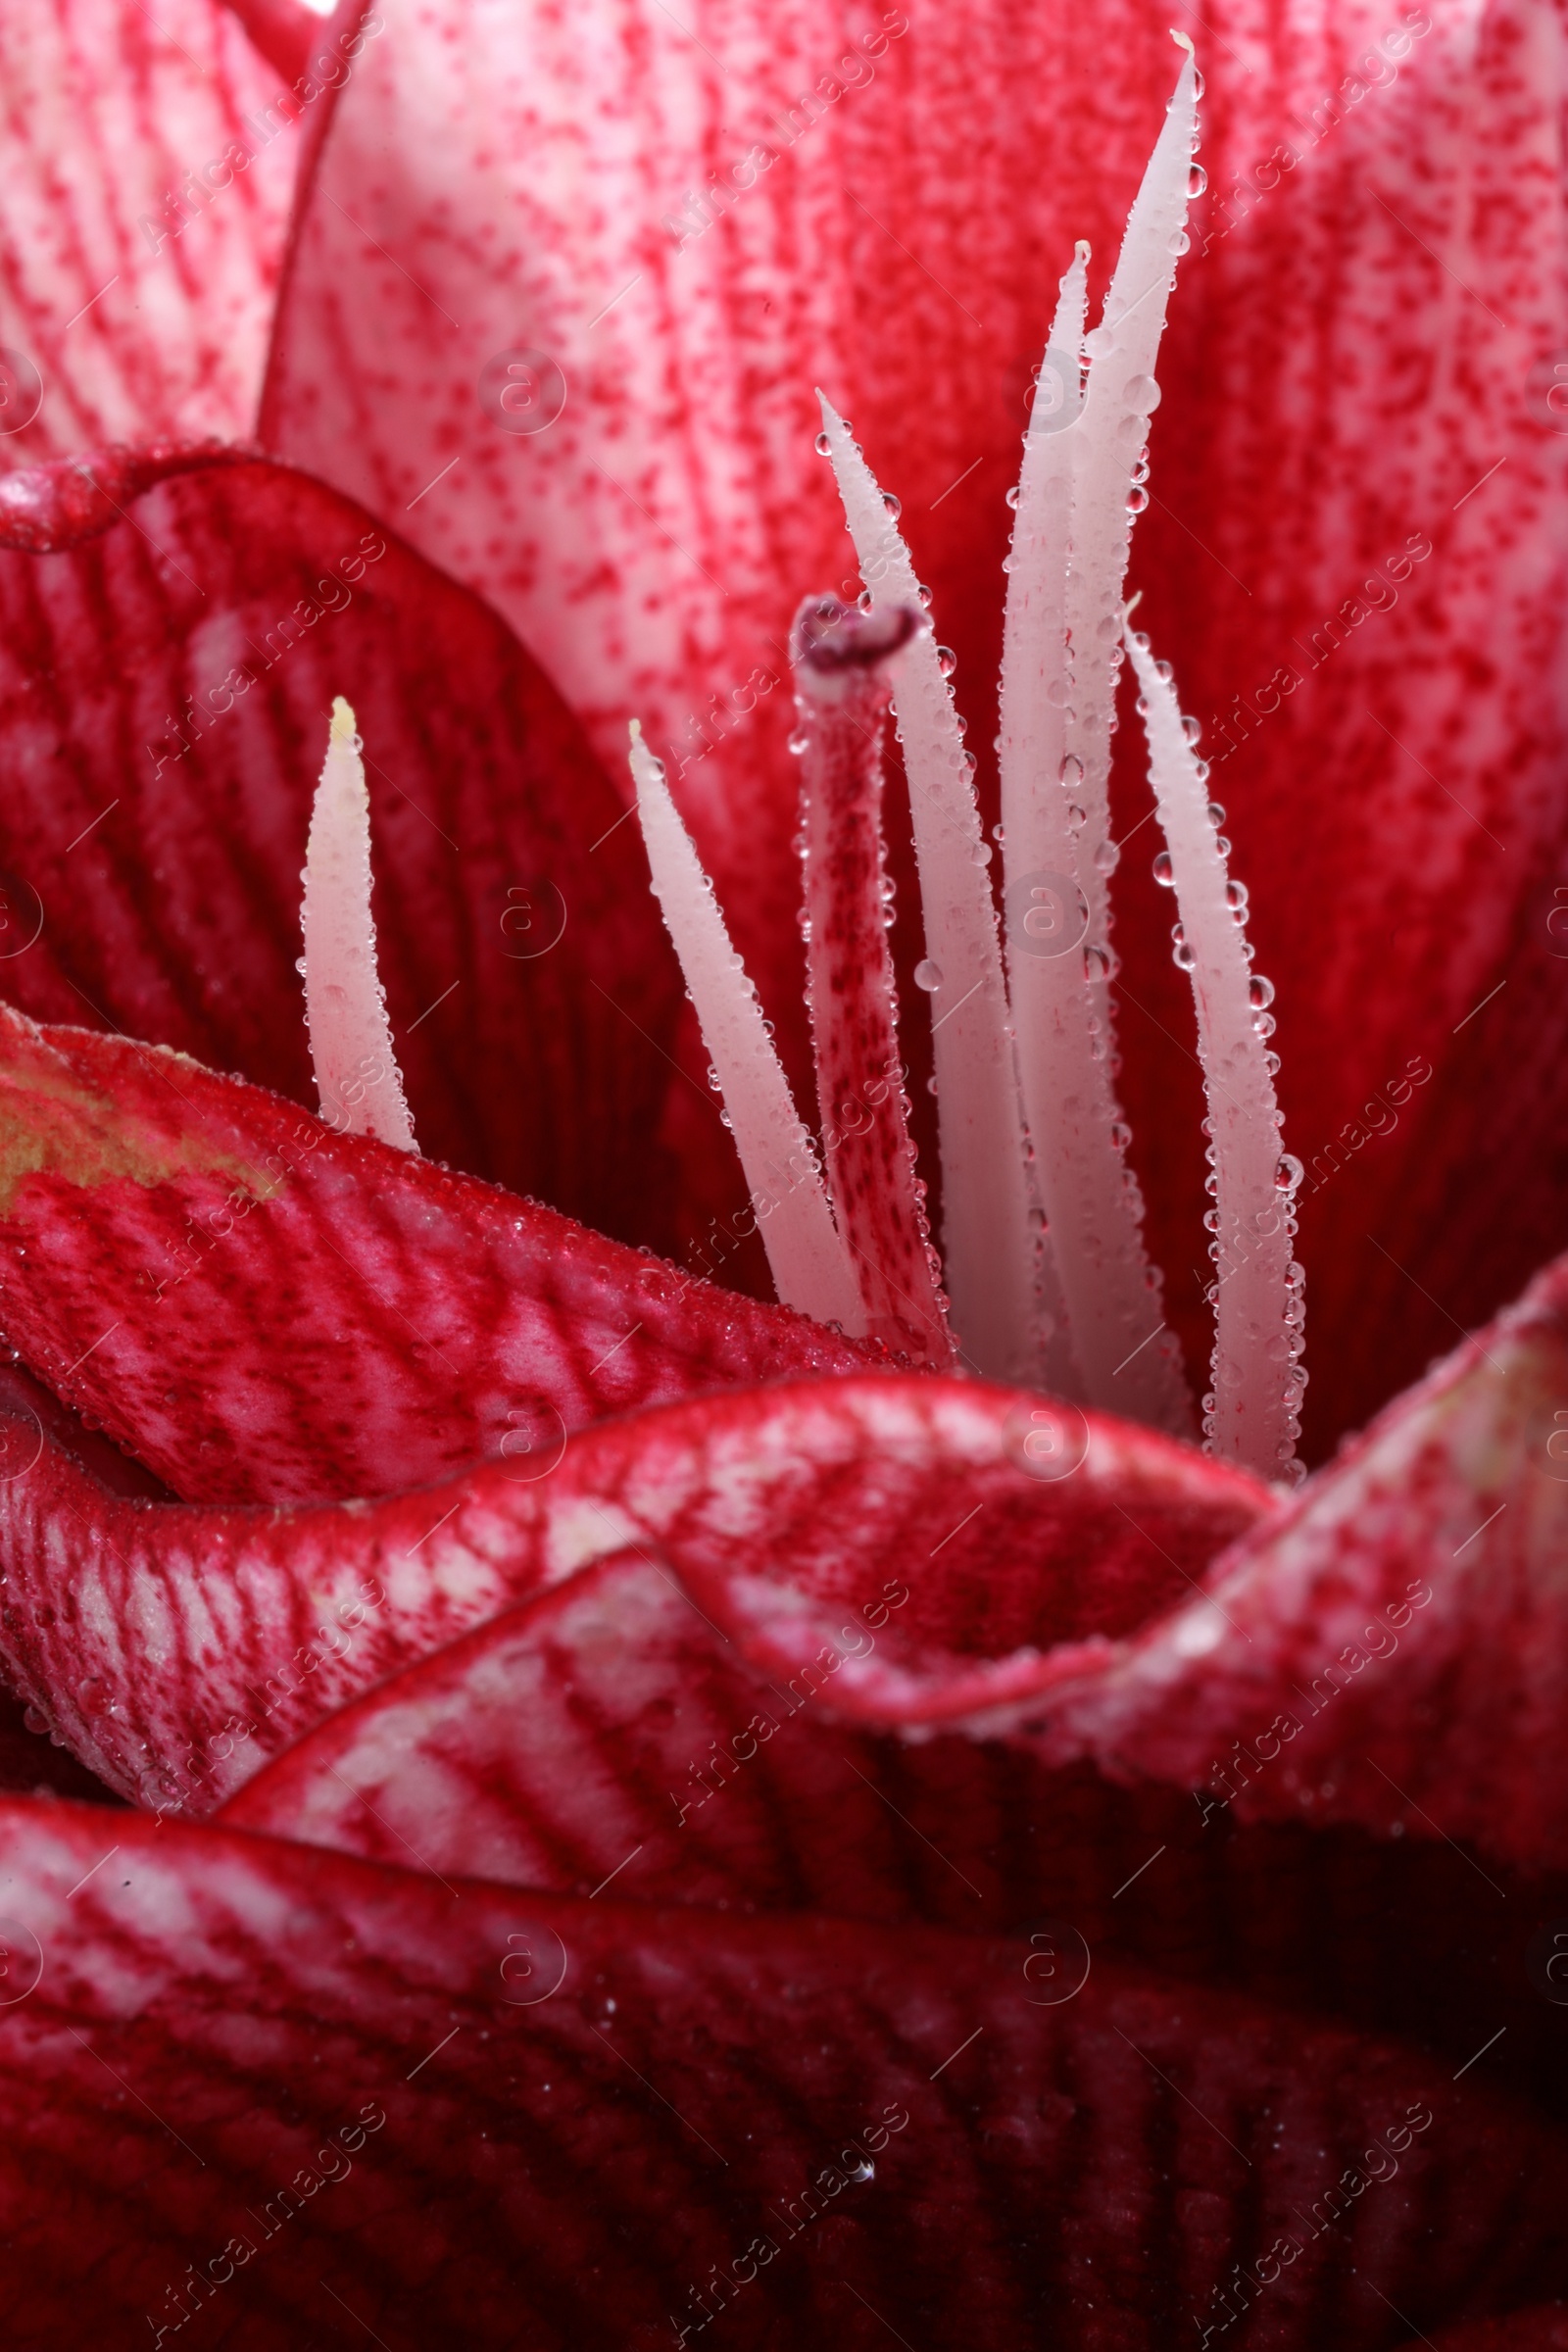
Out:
{"x": 1250, "y": 1417}
{"x": 841, "y": 689}
{"x": 1108, "y": 470}
{"x": 990, "y": 1248}
{"x": 811, "y": 1269}
{"x": 1127, "y": 1360}
{"x": 357, "y": 1075}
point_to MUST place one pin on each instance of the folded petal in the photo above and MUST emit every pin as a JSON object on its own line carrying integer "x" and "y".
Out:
{"x": 173, "y": 632}
{"x": 146, "y": 172}
{"x": 1358, "y": 368}
{"x": 261, "y": 1310}
{"x": 175, "y": 1649}
{"x": 249, "y": 2082}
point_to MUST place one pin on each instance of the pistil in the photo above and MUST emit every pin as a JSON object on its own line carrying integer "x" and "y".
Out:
{"x": 841, "y": 662}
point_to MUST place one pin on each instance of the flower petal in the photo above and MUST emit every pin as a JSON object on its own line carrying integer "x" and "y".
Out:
{"x": 465, "y": 2119}
{"x": 259, "y": 1310}
{"x": 173, "y": 631}
{"x": 175, "y": 1649}
{"x": 139, "y": 259}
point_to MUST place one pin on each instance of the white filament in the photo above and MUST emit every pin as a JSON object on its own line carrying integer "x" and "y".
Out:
{"x": 810, "y": 1263}
{"x": 1108, "y": 451}
{"x": 357, "y": 1075}
{"x": 989, "y": 1246}
{"x": 1252, "y": 1415}
{"x": 1126, "y": 1360}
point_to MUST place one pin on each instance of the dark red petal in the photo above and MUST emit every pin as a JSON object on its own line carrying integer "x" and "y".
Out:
{"x": 263, "y": 1310}
{"x": 1541, "y": 2331}
{"x": 139, "y": 266}
{"x": 1343, "y": 368}
{"x": 167, "y": 671}
{"x": 216, "y": 2015}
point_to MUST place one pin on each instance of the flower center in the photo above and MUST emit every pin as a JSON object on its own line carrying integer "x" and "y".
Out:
{"x": 1044, "y": 1278}
{"x": 1043, "y": 1259}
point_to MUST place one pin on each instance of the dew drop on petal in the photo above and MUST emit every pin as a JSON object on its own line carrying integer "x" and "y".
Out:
{"x": 1164, "y": 871}
{"x": 928, "y": 975}
{"x": 946, "y": 659}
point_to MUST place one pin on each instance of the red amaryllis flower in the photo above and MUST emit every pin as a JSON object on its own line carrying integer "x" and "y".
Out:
{"x": 593, "y": 1807}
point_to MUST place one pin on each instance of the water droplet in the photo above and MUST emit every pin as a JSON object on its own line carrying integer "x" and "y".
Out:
{"x": 1191, "y": 728}
{"x": 1235, "y": 897}
{"x": 1288, "y": 1175}
{"x": 1200, "y": 771}
{"x": 1181, "y": 952}
{"x": 928, "y": 975}
{"x": 1097, "y": 965}
{"x": 946, "y": 659}
{"x": 824, "y": 447}
{"x": 1222, "y": 845}
{"x": 923, "y": 593}
{"x": 1057, "y": 693}
{"x": 299, "y": 965}
{"x": 1012, "y": 495}
{"x": 1100, "y": 343}
{"x": 1216, "y": 813}
{"x": 1136, "y": 499}
{"x": 1143, "y": 393}
{"x": 1071, "y": 772}
{"x": 1178, "y": 241}
{"x": 1076, "y": 815}
{"x": 1164, "y": 871}
{"x": 980, "y": 855}
{"x": 800, "y": 742}
{"x": 1121, "y": 1135}
{"x": 893, "y": 503}
{"x": 864, "y": 601}
{"x": 715, "y": 1079}
{"x": 862, "y": 2169}
{"x": 1196, "y": 180}
{"x": 1107, "y": 856}
{"x": 1259, "y": 993}
{"x": 968, "y": 763}
{"x": 1163, "y": 670}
